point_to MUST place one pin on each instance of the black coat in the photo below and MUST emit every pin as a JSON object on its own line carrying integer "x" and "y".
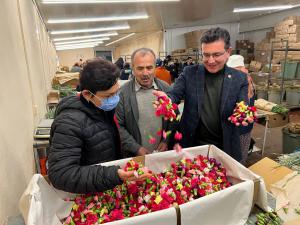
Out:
{"x": 83, "y": 135}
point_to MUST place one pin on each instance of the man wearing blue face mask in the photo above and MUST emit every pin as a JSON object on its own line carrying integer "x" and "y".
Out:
{"x": 84, "y": 134}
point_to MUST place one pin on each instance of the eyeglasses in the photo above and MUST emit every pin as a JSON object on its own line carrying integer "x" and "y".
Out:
{"x": 215, "y": 55}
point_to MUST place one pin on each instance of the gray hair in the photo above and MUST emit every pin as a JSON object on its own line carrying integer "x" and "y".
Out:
{"x": 143, "y": 52}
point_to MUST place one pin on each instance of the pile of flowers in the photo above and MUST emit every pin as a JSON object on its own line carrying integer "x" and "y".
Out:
{"x": 184, "y": 181}
{"x": 243, "y": 114}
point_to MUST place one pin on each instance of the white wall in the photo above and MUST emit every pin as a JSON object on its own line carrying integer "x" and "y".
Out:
{"x": 153, "y": 41}
{"x": 69, "y": 57}
{"x": 174, "y": 38}
{"x": 256, "y": 35}
{"x": 28, "y": 60}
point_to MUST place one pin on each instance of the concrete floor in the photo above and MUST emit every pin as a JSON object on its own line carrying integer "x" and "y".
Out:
{"x": 274, "y": 139}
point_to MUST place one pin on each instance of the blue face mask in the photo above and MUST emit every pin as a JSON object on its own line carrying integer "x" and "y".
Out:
{"x": 108, "y": 104}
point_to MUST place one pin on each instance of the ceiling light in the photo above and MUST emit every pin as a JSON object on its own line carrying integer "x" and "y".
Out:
{"x": 71, "y": 42}
{"x": 73, "y": 47}
{"x": 122, "y": 38}
{"x": 121, "y": 27}
{"x": 87, "y": 36}
{"x": 278, "y": 7}
{"x": 83, "y": 41}
{"x": 79, "y": 44}
{"x": 100, "y": 1}
{"x": 97, "y": 19}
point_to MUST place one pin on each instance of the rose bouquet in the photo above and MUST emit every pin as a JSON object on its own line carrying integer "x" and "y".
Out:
{"x": 243, "y": 114}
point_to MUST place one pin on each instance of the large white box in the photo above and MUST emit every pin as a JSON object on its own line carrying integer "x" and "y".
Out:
{"x": 43, "y": 204}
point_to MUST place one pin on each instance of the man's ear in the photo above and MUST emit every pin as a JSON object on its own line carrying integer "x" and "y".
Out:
{"x": 86, "y": 94}
{"x": 229, "y": 50}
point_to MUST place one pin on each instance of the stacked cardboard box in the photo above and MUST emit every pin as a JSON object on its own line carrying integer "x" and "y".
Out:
{"x": 192, "y": 39}
{"x": 263, "y": 48}
{"x": 246, "y": 49}
{"x": 288, "y": 29}
{"x": 255, "y": 66}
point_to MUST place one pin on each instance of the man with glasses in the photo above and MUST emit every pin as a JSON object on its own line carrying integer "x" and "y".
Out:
{"x": 84, "y": 134}
{"x": 210, "y": 93}
{"x": 135, "y": 113}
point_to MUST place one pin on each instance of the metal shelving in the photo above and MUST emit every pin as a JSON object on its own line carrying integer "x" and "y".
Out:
{"x": 286, "y": 49}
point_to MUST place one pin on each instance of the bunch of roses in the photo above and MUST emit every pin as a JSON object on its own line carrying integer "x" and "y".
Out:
{"x": 243, "y": 114}
{"x": 166, "y": 109}
{"x": 184, "y": 181}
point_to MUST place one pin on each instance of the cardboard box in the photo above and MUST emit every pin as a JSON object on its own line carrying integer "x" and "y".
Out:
{"x": 232, "y": 205}
{"x": 270, "y": 171}
{"x": 274, "y": 119}
{"x": 192, "y": 39}
{"x": 255, "y": 66}
{"x": 53, "y": 97}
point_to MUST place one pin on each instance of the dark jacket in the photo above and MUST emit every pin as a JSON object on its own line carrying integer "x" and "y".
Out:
{"x": 125, "y": 73}
{"x": 190, "y": 88}
{"x": 128, "y": 116}
{"x": 83, "y": 135}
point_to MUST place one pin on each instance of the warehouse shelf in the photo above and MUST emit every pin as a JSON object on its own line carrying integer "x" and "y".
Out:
{"x": 286, "y": 49}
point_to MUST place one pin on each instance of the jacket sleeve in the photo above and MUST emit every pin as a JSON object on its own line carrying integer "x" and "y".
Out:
{"x": 243, "y": 94}
{"x": 65, "y": 170}
{"x": 129, "y": 144}
{"x": 177, "y": 93}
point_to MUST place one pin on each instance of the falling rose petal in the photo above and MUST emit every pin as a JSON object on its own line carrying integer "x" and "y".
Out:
{"x": 152, "y": 140}
{"x": 159, "y": 132}
{"x": 177, "y": 148}
{"x": 178, "y": 136}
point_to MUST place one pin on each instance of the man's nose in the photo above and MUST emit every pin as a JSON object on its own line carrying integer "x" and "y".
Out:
{"x": 211, "y": 59}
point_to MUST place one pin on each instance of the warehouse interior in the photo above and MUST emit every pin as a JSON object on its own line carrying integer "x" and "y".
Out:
{"x": 31, "y": 56}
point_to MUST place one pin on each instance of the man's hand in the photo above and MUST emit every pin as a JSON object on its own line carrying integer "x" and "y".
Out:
{"x": 129, "y": 175}
{"x": 162, "y": 147}
{"x": 158, "y": 94}
{"x": 143, "y": 151}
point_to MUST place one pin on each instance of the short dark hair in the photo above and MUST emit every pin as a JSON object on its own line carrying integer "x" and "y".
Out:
{"x": 143, "y": 51}
{"x": 215, "y": 34}
{"x": 98, "y": 75}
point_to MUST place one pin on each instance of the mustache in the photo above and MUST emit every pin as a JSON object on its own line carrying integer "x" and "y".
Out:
{"x": 145, "y": 77}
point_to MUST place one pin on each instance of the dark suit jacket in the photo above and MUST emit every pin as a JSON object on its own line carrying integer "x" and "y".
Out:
{"x": 190, "y": 88}
{"x": 128, "y": 116}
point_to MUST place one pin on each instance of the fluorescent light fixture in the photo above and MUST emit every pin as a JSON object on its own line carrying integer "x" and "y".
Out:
{"x": 120, "y": 39}
{"x": 72, "y": 43}
{"x": 90, "y": 45}
{"x": 100, "y": 1}
{"x": 121, "y": 27}
{"x": 82, "y": 41}
{"x": 87, "y": 36}
{"x": 79, "y": 44}
{"x": 275, "y": 7}
{"x": 73, "y": 47}
{"x": 98, "y": 19}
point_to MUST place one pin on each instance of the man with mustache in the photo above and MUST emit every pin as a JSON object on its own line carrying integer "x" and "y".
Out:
{"x": 135, "y": 112}
{"x": 210, "y": 93}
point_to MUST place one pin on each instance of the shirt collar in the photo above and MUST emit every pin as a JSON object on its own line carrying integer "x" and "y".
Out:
{"x": 138, "y": 87}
